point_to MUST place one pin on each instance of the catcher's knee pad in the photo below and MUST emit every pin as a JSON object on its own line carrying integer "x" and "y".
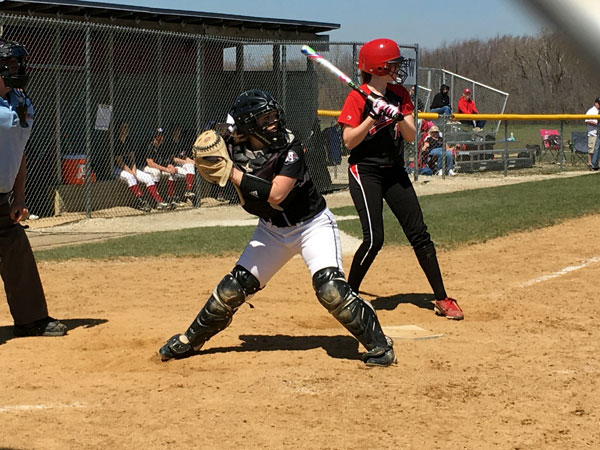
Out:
{"x": 217, "y": 313}
{"x": 356, "y": 315}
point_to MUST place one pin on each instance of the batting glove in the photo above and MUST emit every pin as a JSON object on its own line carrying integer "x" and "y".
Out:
{"x": 380, "y": 107}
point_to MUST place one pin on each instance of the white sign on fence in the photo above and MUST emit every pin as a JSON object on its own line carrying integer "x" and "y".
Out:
{"x": 103, "y": 115}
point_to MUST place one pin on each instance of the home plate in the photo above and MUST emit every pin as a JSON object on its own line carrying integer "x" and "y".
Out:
{"x": 409, "y": 332}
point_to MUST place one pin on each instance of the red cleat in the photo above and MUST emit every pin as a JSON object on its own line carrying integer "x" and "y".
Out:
{"x": 448, "y": 308}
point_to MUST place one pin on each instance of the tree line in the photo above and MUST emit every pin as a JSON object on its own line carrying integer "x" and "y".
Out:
{"x": 542, "y": 73}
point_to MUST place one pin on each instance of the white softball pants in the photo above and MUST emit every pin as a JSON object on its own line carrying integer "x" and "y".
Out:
{"x": 140, "y": 176}
{"x": 270, "y": 247}
{"x": 182, "y": 171}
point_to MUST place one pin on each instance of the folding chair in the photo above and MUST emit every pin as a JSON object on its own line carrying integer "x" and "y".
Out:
{"x": 550, "y": 144}
{"x": 579, "y": 147}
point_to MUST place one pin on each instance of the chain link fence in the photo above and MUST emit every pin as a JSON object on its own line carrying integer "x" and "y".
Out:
{"x": 107, "y": 95}
{"x": 488, "y": 99}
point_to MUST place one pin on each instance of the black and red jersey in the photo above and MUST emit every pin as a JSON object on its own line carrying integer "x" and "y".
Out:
{"x": 383, "y": 143}
{"x": 301, "y": 204}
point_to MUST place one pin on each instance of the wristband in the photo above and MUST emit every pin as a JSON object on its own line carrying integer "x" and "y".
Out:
{"x": 255, "y": 187}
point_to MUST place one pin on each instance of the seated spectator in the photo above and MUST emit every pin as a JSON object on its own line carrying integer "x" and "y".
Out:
{"x": 180, "y": 152}
{"x": 432, "y": 152}
{"x": 158, "y": 165}
{"x": 127, "y": 170}
{"x": 441, "y": 102}
{"x": 467, "y": 106}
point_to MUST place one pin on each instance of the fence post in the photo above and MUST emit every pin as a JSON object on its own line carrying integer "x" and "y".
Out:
{"x": 444, "y": 129}
{"x": 159, "y": 81}
{"x": 284, "y": 75}
{"x": 111, "y": 93}
{"x": 506, "y": 148}
{"x": 57, "y": 108}
{"x": 416, "y": 151}
{"x": 200, "y": 109}
{"x": 561, "y": 151}
{"x": 88, "y": 115}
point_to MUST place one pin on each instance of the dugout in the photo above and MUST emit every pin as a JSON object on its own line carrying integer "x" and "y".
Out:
{"x": 94, "y": 65}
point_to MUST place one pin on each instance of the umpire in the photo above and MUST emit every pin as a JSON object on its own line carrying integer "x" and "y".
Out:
{"x": 22, "y": 283}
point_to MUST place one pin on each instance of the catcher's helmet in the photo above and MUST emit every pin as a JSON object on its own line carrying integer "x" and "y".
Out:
{"x": 382, "y": 57}
{"x": 13, "y": 64}
{"x": 252, "y": 104}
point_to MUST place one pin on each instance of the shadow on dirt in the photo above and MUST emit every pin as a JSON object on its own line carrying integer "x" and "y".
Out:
{"x": 6, "y": 332}
{"x": 391, "y": 302}
{"x": 340, "y": 347}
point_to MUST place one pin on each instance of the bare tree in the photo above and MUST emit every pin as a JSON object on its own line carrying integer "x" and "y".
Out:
{"x": 542, "y": 74}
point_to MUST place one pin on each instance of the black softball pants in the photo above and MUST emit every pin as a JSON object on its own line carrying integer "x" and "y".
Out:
{"x": 369, "y": 186}
{"x": 19, "y": 272}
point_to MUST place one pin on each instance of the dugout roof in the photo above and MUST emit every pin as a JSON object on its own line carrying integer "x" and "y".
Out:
{"x": 172, "y": 20}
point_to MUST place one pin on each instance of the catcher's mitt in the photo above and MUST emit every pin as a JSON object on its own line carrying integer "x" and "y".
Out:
{"x": 211, "y": 158}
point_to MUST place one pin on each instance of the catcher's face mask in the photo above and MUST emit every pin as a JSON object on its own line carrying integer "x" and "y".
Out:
{"x": 13, "y": 64}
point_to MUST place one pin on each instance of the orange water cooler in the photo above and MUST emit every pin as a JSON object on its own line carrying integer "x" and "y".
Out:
{"x": 73, "y": 169}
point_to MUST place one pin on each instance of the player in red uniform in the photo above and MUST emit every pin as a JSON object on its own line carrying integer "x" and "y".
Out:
{"x": 376, "y": 166}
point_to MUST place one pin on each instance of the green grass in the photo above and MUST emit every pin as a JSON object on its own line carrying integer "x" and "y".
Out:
{"x": 473, "y": 216}
{"x": 188, "y": 242}
{"x": 453, "y": 219}
{"x": 528, "y": 133}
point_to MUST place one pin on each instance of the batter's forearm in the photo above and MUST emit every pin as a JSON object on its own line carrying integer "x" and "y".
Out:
{"x": 353, "y": 136}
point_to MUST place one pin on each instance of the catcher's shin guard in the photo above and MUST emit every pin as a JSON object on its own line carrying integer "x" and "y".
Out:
{"x": 356, "y": 315}
{"x": 216, "y": 314}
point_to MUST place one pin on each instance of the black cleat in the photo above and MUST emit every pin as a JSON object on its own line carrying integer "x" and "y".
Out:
{"x": 381, "y": 357}
{"x": 175, "y": 348}
{"x": 43, "y": 327}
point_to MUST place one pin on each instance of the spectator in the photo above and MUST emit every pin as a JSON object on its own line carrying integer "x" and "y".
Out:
{"x": 432, "y": 149}
{"x": 181, "y": 153}
{"x": 157, "y": 165}
{"x": 415, "y": 100}
{"x": 126, "y": 170}
{"x": 22, "y": 283}
{"x": 441, "y": 102}
{"x": 592, "y": 133}
{"x": 467, "y": 106}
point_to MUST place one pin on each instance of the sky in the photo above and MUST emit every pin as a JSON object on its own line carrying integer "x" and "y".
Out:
{"x": 429, "y": 23}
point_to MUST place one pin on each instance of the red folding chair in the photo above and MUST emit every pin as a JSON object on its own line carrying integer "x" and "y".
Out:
{"x": 550, "y": 144}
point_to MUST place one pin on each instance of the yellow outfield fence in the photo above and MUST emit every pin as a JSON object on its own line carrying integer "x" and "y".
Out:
{"x": 531, "y": 117}
{"x": 525, "y": 141}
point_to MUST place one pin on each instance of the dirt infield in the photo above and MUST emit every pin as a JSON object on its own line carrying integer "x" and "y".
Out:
{"x": 520, "y": 372}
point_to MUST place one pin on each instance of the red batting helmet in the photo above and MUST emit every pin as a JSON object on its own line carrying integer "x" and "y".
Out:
{"x": 467, "y": 91}
{"x": 376, "y": 56}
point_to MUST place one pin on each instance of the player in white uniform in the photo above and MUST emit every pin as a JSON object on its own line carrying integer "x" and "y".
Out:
{"x": 272, "y": 180}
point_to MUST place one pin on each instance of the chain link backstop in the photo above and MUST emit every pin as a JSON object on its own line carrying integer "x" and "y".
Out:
{"x": 90, "y": 81}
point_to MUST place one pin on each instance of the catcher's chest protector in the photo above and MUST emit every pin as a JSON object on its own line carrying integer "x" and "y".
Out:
{"x": 256, "y": 162}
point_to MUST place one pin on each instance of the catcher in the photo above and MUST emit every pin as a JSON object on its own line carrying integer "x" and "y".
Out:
{"x": 266, "y": 164}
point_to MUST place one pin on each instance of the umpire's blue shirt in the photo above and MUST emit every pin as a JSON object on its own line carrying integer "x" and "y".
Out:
{"x": 13, "y": 137}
